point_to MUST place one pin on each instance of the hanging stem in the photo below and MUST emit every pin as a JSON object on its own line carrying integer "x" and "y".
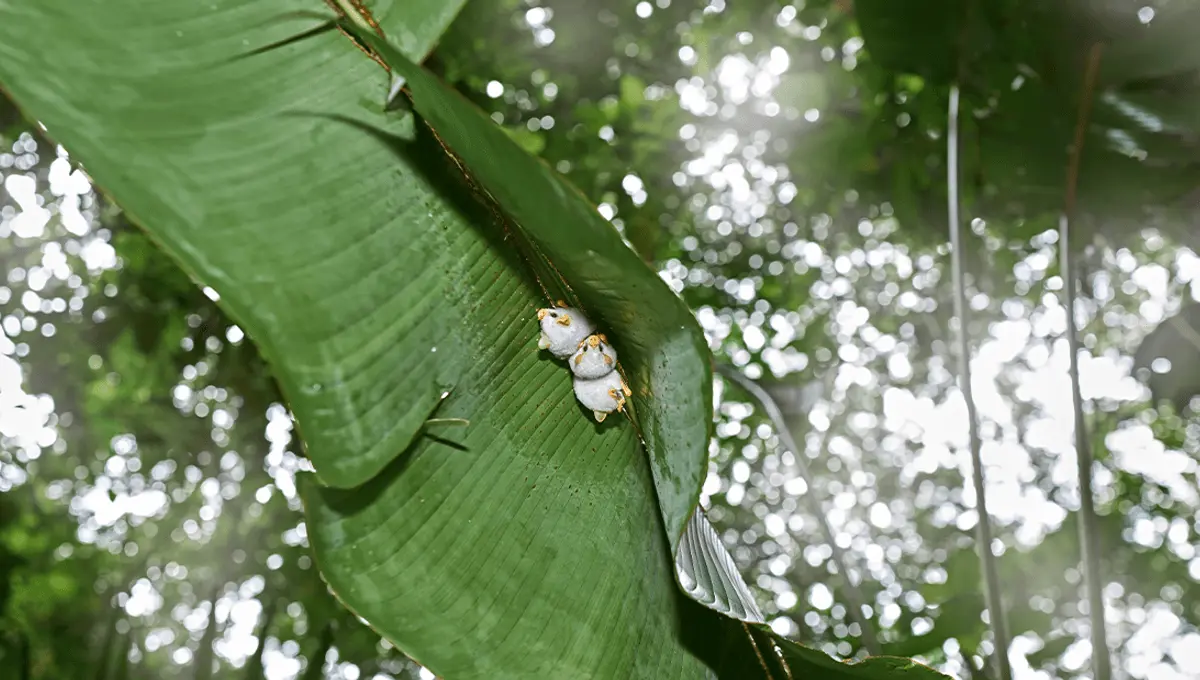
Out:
{"x": 758, "y": 653}
{"x": 983, "y": 534}
{"x": 853, "y": 594}
{"x": 1088, "y": 530}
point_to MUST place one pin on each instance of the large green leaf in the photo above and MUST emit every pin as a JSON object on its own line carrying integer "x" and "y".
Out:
{"x": 529, "y": 542}
{"x": 576, "y": 251}
{"x": 197, "y": 147}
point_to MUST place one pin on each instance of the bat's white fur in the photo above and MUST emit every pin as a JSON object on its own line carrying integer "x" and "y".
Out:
{"x": 595, "y": 358}
{"x": 598, "y": 394}
{"x": 562, "y": 339}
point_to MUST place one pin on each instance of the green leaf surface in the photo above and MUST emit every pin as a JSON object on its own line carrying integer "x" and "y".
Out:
{"x": 662, "y": 348}
{"x": 415, "y": 25}
{"x": 216, "y": 138}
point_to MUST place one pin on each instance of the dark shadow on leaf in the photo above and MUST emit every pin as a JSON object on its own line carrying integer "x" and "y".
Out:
{"x": 351, "y": 501}
{"x": 328, "y": 24}
{"x": 447, "y": 442}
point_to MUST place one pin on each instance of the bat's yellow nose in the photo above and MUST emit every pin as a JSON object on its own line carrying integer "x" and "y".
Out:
{"x": 564, "y": 320}
{"x": 594, "y": 340}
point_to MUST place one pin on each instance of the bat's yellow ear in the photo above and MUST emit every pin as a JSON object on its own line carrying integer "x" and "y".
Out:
{"x": 560, "y": 303}
{"x": 541, "y": 314}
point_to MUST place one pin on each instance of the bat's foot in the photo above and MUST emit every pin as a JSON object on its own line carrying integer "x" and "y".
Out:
{"x": 617, "y": 397}
{"x": 600, "y": 416}
{"x": 543, "y": 342}
{"x": 625, "y": 389}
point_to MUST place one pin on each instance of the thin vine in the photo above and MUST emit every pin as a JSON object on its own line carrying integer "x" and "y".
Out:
{"x": 1088, "y": 529}
{"x": 983, "y": 527}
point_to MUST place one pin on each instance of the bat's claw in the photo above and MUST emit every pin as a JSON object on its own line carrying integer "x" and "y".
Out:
{"x": 600, "y": 416}
{"x": 618, "y": 398}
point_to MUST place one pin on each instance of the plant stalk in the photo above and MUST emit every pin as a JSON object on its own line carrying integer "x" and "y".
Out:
{"x": 1088, "y": 531}
{"x": 983, "y": 533}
